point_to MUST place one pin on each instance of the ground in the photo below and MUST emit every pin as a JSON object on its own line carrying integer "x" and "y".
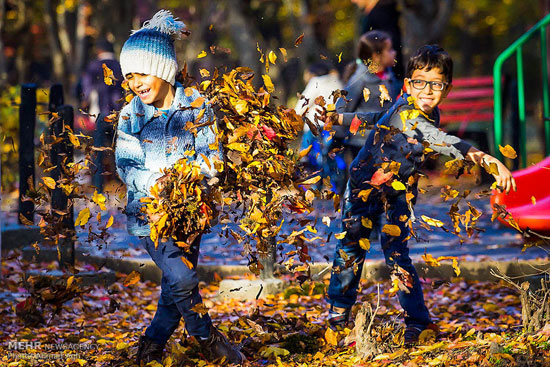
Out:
{"x": 479, "y": 322}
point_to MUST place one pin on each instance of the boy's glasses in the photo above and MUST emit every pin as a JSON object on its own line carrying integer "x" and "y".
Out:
{"x": 421, "y": 84}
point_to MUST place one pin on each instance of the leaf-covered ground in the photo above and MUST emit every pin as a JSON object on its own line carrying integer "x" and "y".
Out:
{"x": 479, "y": 324}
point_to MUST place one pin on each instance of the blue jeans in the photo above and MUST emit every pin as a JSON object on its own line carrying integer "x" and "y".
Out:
{"x": 342, "y": 291}
{"x": 179, "y": 291}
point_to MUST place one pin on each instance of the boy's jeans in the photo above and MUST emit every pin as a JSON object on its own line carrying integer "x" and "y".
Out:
{"x": 179, "y": 291}
{"x": 342, "y": 291}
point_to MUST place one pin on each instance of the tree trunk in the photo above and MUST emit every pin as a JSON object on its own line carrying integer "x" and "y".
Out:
{"x": 3, "y": 67}
{"x": 424, "y": 22}
{"x": 58, "y": 58}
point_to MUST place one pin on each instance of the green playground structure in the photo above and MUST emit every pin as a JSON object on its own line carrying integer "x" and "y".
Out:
{"x": 516, "y": 48}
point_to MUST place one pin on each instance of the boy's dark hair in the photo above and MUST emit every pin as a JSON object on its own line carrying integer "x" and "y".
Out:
{"x": 320, "y": 68}
{"x": 429, "y": 57}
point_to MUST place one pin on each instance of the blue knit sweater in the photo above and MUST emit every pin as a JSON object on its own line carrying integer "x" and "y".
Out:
{"x": 148, "y": 141}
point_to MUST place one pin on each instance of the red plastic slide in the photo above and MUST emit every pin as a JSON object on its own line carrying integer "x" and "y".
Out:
{"x": 531, "y": 182}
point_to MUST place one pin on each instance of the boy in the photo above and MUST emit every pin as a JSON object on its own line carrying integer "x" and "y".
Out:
{"x": 396, "y": 150}
{"x": 151, "y": 135}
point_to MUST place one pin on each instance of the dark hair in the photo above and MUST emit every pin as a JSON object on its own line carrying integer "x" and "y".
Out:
{"x": 370, "y": 43}
{"x": 429, "y": 57}
{"x": 320, "y": 68}
{"x": 104, "y": 45}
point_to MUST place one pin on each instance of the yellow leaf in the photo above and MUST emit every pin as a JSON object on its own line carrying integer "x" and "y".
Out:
{"x": 508, "y": 151}
{"x": 122, "y": 345}
{"x": 533, "y": 200}
{"x": 310, "y": 195}
{"x": 311, "y": 181}
{"x": 108, "y": 76}
{"x": 70, "y": 281}
{"x": 50, "y": 182}
{"x": 83, "y": 217}
{"x": 366, "y": 222}
{"x": 304, "y": 152}
{"x": 99, "y": 199}
{"x": 366, "y": 94}
{"x": 268, "y": 83}
{"x": 331, "y": 337}
{"x": 430, "y": 260}
{"x": 340, "y": 235}
{"x": 132, "y": 278}
{"x": 74, "y": 140}
{"x": 201, "y": 54}
{"x": 204, "y": 72}
{"x": 241, "y": 107}
{"x": 455, "y": 267}
{"x": 240, "y": 147}
{"x": 110, "y": 222}
{"x": 129, "y": 98}
{"x": 392, "y": 230}
{"x": 364, "y": 243}
{"x": 272, "y": 57}
{"x": 364, "y": 194}
{"x": 431, "y": 221}
{"x": 339, "y": 57}
{"x": 187, "y": 262}
{"x": 398, "y": 185}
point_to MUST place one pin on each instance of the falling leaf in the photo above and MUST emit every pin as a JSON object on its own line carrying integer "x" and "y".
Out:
{"x": 284, "y": 53}
{"x": 533, "y": 200}
{"x": 455, "y": 267}
{"x": 132, "y": 278}
{"x": 83, "y": 217}
{"x": 272, "y": 57}
{"x": 311, "y": 181}
{"x": 380, "y": 177}
{"x": 326, "y": 221}
{"x": 204, "y": 73}
{"x": 355, "y": 124}
{"x": 384, "y": 94}
{"x": 398, "y": 185}
{"x": 341, "y": 235}
{"x": 366, "y": 94}
{"x": 108, "y": 76}
{"x": 366, "y": 222}
{"x": 304, "y": 152}
{"x": 198, "y": 102}
{"x": 364, "y": 243}
{"x": 201, "y": 54}
{"x": 339, "y": 57}
{"x": 50, "y": 182}
{"x": 110, "y": 222}
{"x": 299, "y": 40}
{"x": 364, "y": 194}
{"x": 432, "y": 222}
{"x": 187, "y": 262}
{"x": 99, "y": 199}
{"x": 268, "y": 83}
{"x": 392, "y": 230}
{"x": 508, "y": 151}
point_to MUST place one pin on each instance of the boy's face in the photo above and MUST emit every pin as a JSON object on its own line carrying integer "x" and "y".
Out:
{"x": 150, "y": 89}
{"x": 427, "y": 95}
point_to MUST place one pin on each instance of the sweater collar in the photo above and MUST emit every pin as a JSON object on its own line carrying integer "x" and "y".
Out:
{"x": 143, "y": 113}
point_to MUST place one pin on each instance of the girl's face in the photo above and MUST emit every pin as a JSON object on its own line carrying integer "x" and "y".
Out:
{"x": 151, "y": 89}
{"x": 387, "y": 56}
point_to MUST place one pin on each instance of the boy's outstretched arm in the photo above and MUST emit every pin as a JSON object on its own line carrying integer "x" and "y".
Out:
{"x": 504, "y": 177}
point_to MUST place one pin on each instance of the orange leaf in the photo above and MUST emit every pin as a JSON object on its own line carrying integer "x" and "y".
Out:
{"x": 508, "y": 151}
{"x": 197, "y": 102}
{"x": 132, "y": 278}
{"x": 187, "y": 262}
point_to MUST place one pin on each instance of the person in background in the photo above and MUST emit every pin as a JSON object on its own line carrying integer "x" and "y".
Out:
{"x": 370, "y": 82}
{"x": 100, "y": 100}
{"x": 321, "y": 81}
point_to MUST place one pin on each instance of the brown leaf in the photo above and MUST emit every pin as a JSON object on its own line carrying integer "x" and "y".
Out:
{"x": 132, "y": 278}
{"x": 299, "y": 40}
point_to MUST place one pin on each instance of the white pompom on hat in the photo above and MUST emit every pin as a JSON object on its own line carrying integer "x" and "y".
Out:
{"x": 150, "y": 49}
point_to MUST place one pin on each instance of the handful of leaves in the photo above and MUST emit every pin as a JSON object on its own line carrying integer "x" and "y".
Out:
{"x": 182, "y": 209}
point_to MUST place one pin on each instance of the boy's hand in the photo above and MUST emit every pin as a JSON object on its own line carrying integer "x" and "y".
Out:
{"x": 504, "y": 177}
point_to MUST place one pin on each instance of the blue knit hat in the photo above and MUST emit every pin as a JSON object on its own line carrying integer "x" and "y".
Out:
{"x": 150, "y": 49}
